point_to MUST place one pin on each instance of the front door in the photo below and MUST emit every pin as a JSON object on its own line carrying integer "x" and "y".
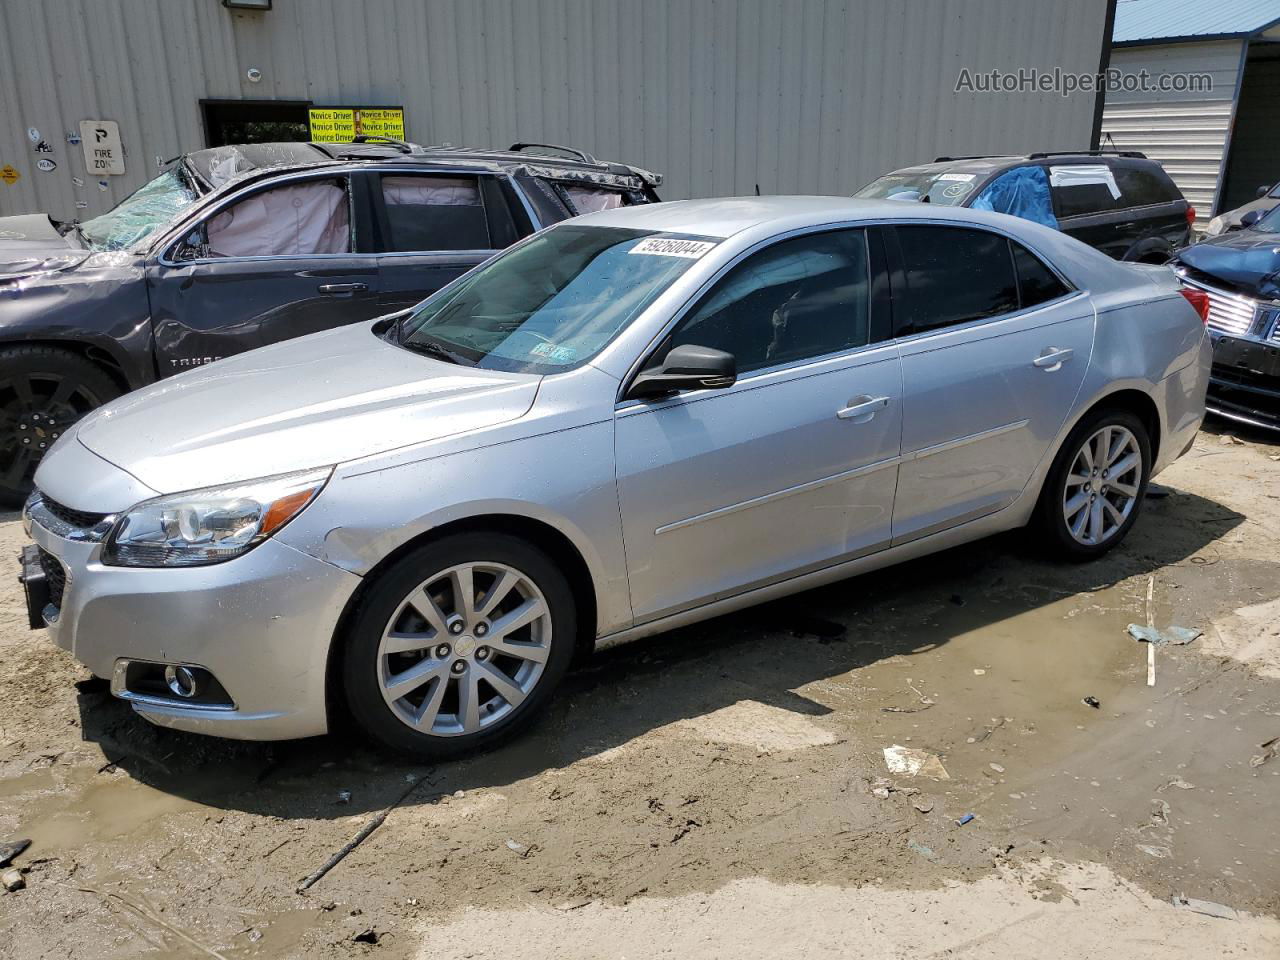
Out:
{"x": 994, "y": 349}
{"x": 274, "y": 264}
{"x": 791, "y": 469}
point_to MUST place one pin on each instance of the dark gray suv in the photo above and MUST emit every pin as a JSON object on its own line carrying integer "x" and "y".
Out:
{"x": 235, "y": 247}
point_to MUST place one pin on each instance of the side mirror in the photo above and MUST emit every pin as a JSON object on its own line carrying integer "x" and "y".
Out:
{"x": 1263, "y": 191}
{"x": 687, "y": 367}
{"x": 1250, "y": 218}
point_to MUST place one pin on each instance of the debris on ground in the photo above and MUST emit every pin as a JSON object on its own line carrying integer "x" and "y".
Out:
{"x": 1175, "y": 782}
{"x": 978, "y": 671}
{"x": 1091, "y": 702}
{"x": 996, "y": 767}
{"x": 1172, "y": 636}
{"x": 521, "y": 848}
{"x": 1269, "y": 749}
{"x": 1207, "y": 907}
{"x": 925, "y": 702}
{"x": 1160, "y": 812}
{"x": 967, "y": 818}
{"x": 1228, "y": 440}
{"x": 11, "y": 849}
{"x": 1156, "y": 491}
{"x": 367, "y": 935}
{"x": 12, "y": 880}
{"x": 344, "y": 797}
{"x": 914, "y": 763}
{"x": 923, "y": 806}
{"x": 988, "y": 730}
{"x": 921, "y": 849}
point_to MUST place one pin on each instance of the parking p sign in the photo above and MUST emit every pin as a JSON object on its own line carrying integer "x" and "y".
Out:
{"x": 103, "y": 154}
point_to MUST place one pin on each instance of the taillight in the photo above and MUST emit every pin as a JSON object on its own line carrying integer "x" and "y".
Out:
{"x": 1198, "y": 299}
{"x": 1191, "y": 215}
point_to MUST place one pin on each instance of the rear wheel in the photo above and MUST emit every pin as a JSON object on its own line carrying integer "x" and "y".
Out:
{"x": 1094, "y": 490}
{"x": 43, "y": 391}
{"x": 459, "y": 644}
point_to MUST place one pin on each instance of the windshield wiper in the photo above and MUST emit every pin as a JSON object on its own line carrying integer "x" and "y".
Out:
{"x": 436, "y": 350}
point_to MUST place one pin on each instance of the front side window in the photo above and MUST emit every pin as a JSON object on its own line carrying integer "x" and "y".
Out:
{"x": 801, "y": 298}
{"x": 296, "y": 219}
{"x": 434, "y": 213}
{"x": 552, "y": 303}
{"x": 953, "y": 275}
{"x": 1021, "y": 192}
{"x": 142, "y": 213}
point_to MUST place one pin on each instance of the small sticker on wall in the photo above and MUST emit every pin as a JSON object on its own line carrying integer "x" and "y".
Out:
{"x": 77, "y": 181}
{"x": 33, "y": 134}
{"x": 43, "y": 147}
{"x": 73, "y": 138}
{"x": 9, "y": 175}
{"x": 672, "y": 247}
{"x": 47, "y": 165}
{"x": 82, "y": 204}
{"x": 102, "y": 185}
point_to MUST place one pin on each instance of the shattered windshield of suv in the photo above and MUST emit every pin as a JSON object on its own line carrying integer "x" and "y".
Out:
{"x": 553, "y": 302}
{"x": 140, "y": 214}
{"x": 934, "y": 186}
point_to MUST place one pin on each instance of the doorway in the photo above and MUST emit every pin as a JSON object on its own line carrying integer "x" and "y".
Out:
{"x": 255, "y": 121}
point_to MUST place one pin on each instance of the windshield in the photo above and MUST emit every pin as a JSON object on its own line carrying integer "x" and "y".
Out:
{"x": 141, "y": 214}
{"x": 553, "y": 302}
{"x": 940, "y": 186}
{"x": 1270, "y": 223}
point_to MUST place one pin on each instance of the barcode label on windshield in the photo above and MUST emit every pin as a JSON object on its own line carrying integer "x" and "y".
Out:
{"x": 666, "y": 247}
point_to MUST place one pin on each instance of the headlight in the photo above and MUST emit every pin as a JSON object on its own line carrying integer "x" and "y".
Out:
{"x": 210, "y": 525}
{"x": 1216, "y": 226}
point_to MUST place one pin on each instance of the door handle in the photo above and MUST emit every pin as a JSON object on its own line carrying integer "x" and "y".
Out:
{"x": 337, "y": 289}
{"x": 1052, "y": 359}
{"x": 863, "y": 408}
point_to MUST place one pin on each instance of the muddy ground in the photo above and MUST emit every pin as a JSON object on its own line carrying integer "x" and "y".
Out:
{"x": 717, "y": 791}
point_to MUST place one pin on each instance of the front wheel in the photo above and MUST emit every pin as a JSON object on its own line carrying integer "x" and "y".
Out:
{"x": 1094, "y": 490}
{"x": 459, "y": 644}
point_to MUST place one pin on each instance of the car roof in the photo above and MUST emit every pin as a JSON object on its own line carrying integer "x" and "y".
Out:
{"x": 221, "y": 165}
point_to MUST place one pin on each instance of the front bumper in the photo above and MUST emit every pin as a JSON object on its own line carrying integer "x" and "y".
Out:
{"x": 1245, "y": 383}
{"x": 261, "y": 624}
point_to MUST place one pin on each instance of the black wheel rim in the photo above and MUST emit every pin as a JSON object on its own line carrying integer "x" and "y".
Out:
{"x": 36, "y": 409}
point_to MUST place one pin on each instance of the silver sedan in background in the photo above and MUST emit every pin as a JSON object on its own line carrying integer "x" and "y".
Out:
{"x": 631, "y": 421}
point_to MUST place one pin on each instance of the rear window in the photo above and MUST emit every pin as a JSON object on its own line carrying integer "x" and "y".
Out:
{"x": 434, "y": 213}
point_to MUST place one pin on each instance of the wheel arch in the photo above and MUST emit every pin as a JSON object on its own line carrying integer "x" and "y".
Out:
{"x": 541, "y": 534}
{"x": 99, "y": 356}
{"x": 1133, "y": 401}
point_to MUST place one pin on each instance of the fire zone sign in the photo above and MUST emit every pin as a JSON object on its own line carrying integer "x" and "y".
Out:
{"x": 103, "y": 153}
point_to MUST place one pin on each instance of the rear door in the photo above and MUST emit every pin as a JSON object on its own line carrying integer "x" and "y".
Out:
{"x": 1086, "y": 200}
{"x": 434, "y": 227}
{"x": 1158, "y": 210}
{"x": 994, "y": 348}
{"x": 273, "y": 262}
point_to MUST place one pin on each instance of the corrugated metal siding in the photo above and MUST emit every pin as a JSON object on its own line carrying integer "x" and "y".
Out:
{"x": 1138, "y": 20}
{"x": 1186, "y": 132}
{"x": 814, "y": 96}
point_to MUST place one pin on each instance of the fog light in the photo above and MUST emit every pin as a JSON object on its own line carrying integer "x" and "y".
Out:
{"x": 182, "y": 681}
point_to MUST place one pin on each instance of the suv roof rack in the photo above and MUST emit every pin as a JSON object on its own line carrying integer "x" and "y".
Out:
{"x": 581, "y": 155}
{"x": 1132, "y": 154}
{"x": 400, "y": 145}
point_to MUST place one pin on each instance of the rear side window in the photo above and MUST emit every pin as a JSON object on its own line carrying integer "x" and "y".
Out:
{"x": 585, "y": 199}
{"x": 434, "y": 213}
{"x": 1082, "y": 189}
{"x": 1036, "y": 283}
{"x": 953, "y": 275}
{"x": 798, "y": 299}
{"x": 1141, "y": 188}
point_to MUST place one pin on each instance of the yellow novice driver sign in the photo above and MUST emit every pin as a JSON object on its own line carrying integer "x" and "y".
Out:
{"x": 344, "y": 124}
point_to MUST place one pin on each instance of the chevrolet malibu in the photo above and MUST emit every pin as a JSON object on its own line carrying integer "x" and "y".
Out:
{"x": 630, "y": 421}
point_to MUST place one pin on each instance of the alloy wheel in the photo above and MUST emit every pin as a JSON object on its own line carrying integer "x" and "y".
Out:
{"x": 36, "y": 409}
{"x": 1101, "y": 489}
{"x": 464, "y": 649}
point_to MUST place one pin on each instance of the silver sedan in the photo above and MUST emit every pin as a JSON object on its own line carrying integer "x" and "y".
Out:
{"x": 631, "y": 421}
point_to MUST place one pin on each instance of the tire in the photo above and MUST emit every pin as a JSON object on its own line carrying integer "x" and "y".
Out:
{"x": 43, "y": 391}
{"x": 1116, "y": 498}
{"x": 405, "y": 692}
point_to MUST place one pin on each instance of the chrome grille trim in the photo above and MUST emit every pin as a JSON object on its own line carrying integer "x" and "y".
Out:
{"x": 1228, "y": 312}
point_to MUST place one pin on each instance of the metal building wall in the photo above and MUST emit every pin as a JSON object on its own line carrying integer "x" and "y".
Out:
{"x": 813, "y": 96}
{"x": 1187, "y": 132}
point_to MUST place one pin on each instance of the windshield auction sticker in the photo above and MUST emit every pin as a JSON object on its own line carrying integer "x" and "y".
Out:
{"x": 669, "y": 247}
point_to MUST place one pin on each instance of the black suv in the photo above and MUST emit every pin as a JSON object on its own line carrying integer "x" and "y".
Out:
{"x": 1121, "y": 203}
{"x": 235, "y": 247}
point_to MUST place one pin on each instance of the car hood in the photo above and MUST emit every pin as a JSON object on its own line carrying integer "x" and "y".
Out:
{"x": 1247, "y": 260}
{"x": 315, "y": 401}
{"x": 31, "y": 244}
